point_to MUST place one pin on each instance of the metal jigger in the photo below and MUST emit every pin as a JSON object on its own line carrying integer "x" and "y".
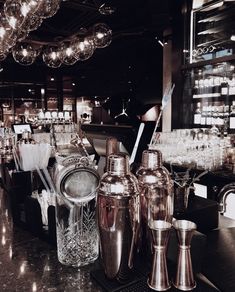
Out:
{"x": 184, "y": 279}
{"x": 158, "y": 279}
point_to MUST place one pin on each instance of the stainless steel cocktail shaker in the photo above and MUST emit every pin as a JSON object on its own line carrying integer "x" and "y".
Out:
{"x": 156, "y": 188}
{"x": 118, "y": 217}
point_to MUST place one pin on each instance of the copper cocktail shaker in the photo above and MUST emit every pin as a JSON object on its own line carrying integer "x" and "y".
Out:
{"x": 118, "y": 217}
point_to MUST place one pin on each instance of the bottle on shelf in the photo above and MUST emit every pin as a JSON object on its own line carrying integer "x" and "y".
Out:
{"x": 201, "y": 88}
{"x": 231, "y": 90}
{"x": 197, "y": 115}
{"x": 196, "y": 89}
{"x": 232, "y": 116}
{"x": 226, "y": 121}
{"x": 203, "y": 116}
{"x": 214, "y": 115}
{"x": 224, "y": 87}
{"x": 216, "y": 92}
{"x": 209, "y": 115}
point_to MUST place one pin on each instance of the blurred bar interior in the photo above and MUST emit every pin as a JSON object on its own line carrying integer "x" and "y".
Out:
{"x": 156, "y": 75}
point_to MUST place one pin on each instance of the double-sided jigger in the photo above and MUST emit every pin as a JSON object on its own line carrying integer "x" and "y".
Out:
{"x": 184, "y": 279}
{"x": 158, "y": 279}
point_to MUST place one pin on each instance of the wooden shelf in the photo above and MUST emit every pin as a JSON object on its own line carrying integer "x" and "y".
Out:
{"x": 209, "y": 62}
{"x": 224, "y": 99}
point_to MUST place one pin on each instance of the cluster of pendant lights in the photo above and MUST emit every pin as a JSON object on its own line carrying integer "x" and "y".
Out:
{"x": 22, "y": 16}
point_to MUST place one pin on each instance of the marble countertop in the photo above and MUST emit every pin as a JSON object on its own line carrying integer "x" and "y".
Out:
{"x": 30, "y": 264}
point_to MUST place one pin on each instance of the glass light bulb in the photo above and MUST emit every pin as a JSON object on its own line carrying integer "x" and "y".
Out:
{"x": 102, "y": 35}
{"x": 12, "y": 10}
{"x": 24, "y": 54}
{"x": 84, "y": 48}
{"x": 52, "y": 56}
{"x": 31, "y": 23}
{"x": 4, "y": 26}
{"x": 32, "y": 4}
{"x": 5, "y": 32}
{"x": 68, "y": 53}
{"x": 25, "y": 9}
{"x": 12, "y": 22}
{"x": 47, "y": 8}
{"x": 2, "y": 32}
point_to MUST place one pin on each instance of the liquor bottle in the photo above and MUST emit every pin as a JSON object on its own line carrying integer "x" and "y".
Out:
{"x": 216, "y": 88}
{"x": 203, "y": 116}
{"x": 207, "y": 89}
{"x": 201, "y": 88}
{"x": 214, "y": 115}
{"x": 224, "y": 87}
{"x": 197, "y": 115}
{"x": 209, "y": 115}
{"x": 196, "y": 89}
{"x": 231, "y": 90}
{"x": 220, "y": 119}
{"x": 226, "y": 120}
{"x": 232, "y": 116}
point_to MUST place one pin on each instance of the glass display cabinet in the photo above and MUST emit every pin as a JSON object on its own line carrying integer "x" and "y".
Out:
{"x": 209, "y": 70}
{"x": 212, "y": 31}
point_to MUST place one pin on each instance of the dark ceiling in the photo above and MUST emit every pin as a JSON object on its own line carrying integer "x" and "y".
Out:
{"x": 130, "y": 65}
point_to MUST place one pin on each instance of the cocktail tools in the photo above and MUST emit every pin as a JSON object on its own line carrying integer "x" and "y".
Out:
{"x": 184, "y": 278}
{"x": 118, "y": 217}
{"x": 158, "y": 279}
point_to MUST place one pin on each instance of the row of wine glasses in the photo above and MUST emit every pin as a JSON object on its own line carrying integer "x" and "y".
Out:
{"x": 197, "y": 148}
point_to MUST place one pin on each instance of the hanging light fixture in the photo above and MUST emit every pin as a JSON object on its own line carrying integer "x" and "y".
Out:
{"x": 5, "y": 28}
{"x": 102, "y": 35}
{"x": 33, "y": 4}
{"x": 47, "y": 8}
{"x": 52, "y": 56}
{"x": 84, "y": 47}
{"x": 24, "y": 54}
{"x": 17, "y": 36}
{"x": 68, "y": 53}
{"x": 12, "y": 10}
{"x": 5, "y": 32}
{"x": 32, "y": 23}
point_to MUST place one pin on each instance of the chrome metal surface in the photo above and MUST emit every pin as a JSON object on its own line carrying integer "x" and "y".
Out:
{"x": 118, "y": 217}
{"x": 111, "y": 148}
{"x": 184, "y": 278}
{"x": 156, "y": 188}
{"x": 223, "y": 194}
{"x": 158, "y": 279}
{"x": 151, "y": 159}
{"x": 77, "y": 182}
{"x": 156, "y": 194}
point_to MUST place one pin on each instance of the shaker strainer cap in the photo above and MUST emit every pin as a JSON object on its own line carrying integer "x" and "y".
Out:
{"x": 78, "y": 184}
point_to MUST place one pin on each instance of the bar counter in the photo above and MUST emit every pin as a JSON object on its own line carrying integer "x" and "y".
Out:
{"x": 30, "y": 264}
